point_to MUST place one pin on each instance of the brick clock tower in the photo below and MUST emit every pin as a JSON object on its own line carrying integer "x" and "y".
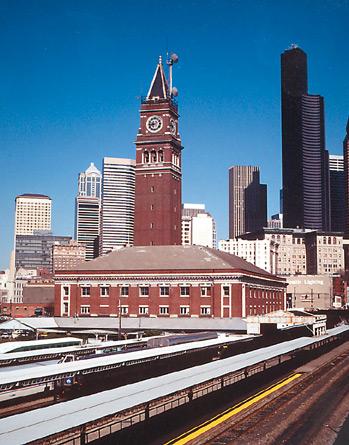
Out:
{"x": 158, "y": 203}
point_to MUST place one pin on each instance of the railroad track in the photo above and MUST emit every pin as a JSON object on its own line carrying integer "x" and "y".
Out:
{"x": 245, "y": 427}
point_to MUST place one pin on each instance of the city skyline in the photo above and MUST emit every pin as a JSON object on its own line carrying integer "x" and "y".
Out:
{"x": 51, "y": 121}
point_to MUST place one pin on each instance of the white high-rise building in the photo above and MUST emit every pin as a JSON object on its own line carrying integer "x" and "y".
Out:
{"x": 261, "y": 253}
{"x": 90, "y": 182}
{"x": 87, "y": 210}
{"x": 33, "y": 212}
{"x": 198, "y": 226}
{"x": 118, "y": 203}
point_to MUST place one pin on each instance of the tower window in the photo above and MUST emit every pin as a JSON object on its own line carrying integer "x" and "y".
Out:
{"x": 153, "y": 156}
{"x": 152, "y": 189}
{"x": 161, "y": 156}
{"x": 146, "y": 157}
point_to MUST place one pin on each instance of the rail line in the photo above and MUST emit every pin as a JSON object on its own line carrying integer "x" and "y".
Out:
{"x": 218, "y": 431}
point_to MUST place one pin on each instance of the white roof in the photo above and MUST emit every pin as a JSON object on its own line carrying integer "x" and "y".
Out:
{"x": 44, "y": 422}
{"x": 12, "y": 325}
{"x": 73, "y": 367}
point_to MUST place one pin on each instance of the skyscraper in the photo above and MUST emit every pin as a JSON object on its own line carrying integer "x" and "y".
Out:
{"x": 158, "y": 167}
{"x": 304, "y": 158}
{"x": 337, "y": 193}
{"x": 87, "y": 211}
{"x": 247, "y": 200}
{"x": 198, "y": 226}
{"x": 346, "y": 191}
{"x": 33, "y": 212}
{"x": 118, "y": 201}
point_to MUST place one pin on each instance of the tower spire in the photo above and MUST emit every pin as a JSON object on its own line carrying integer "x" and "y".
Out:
{"x": 158, "y": 87}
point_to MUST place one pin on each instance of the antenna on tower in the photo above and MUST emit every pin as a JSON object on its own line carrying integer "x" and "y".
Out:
{"x": 170, "y": 61}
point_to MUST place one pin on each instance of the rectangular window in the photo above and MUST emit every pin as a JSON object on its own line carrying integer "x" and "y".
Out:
{"x": 124, "y": 291}
{"x": 205, "y": 310}
{"x": 185, "y": 291}
{"x": 144, "y": 291}
{"x": 184, "y": 310}
{"x": 124, "y": 310}
{"x": 66, "y": 290}
{"x": 84, "y": 309}
{"x": 164, "y": 310}
{"x": 226, "y": 290}
{"x": 85, "y": 291}
{"x": 143, "y": 310}
{"x": 205, "y": 291}
{"x": 104, "y": 291}
{"x": 164, "y": 291}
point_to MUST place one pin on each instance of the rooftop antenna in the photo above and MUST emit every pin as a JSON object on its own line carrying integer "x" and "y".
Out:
{"x": 170, "y": 61}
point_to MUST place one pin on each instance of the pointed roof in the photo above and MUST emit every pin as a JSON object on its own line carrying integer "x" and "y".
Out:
{"x": 158, "y": 87}
{"x": 92, "y": 169}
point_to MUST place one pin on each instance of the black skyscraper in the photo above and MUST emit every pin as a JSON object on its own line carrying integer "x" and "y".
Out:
{"x": 304, "y": 158}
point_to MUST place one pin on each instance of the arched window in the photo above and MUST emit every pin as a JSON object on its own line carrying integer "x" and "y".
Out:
{"x": 153, "y": 156}
{"x": 161, "y": 156}
{"x": 146, "y": 157}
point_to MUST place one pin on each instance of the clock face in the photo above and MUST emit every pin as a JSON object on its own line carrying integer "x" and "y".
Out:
{"x": 173, "y": 127}
{"x": 154, "y": 124}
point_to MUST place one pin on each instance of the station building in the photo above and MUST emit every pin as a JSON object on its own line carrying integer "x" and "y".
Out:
{"x": 167, "y": 281}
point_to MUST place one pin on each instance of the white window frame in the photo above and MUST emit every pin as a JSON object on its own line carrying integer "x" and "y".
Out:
{"x": 141, "y": 288}
{"x": 184, "y": 310}
{"x": 124, "y": 309}
{"x": 101, "y": 291}
{"x": 143, "y": 310}
{"x": 83, "y": 288}
{"x": 205, "y": 310}
{"x": 85, "y": 309}
{"x": 121, "y": 291}
{"x": 184, "y": 287}
{"x": 164, "y": 310}
{"x": 168, "y": 290}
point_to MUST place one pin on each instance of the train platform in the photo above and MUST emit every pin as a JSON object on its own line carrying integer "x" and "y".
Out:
{"x": 88, "y": 418}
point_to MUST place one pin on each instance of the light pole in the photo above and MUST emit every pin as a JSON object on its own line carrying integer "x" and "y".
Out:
{"x": 119, "y": 329}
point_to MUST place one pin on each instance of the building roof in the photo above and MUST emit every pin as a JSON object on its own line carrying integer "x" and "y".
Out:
{"x": 169, "y": 258}
{"x": 33, "y": 195}
{"x": 92, "y": 169}
{"x": 158, "y": 87}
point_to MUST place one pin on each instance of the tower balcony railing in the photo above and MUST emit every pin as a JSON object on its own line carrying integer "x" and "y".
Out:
{"x": 173, "y": 101}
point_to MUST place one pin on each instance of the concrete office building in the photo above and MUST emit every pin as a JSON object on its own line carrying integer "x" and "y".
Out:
{"x": 33, "y": 212}
{"x": 304, "y": 158}
{"x": 310, "y": 292}
{"x": 261, "y": 253}
{"x": 35, "y": 251}
{"x": 118, "y": 204}
{"x": 198, "y": 226}
{"x": 337, "y": 193}
{"x": 87, "y": 211}
{"x": 247, "y": 201}
{"x": 67, "y": 256}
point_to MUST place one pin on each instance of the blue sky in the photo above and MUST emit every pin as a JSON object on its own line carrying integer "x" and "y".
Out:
{"x": 72, "y": 73}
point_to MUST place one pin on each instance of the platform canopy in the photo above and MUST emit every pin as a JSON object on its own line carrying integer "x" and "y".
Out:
{"x": 14, "y": 325}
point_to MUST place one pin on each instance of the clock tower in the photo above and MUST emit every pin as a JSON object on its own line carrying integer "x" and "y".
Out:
{"x": 158, "y": 203}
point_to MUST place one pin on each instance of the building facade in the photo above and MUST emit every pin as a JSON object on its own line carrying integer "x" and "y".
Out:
{"x": 346, "y": 194}
{"x": 304, "y": 158}
{"x": 33, "y": 212}
{"x": 247, "y": 201}
{"x": 67, "y": 256}
{"x": 158, "y": 167}
{"x": 304, "y": 251}
{"x": 310, "y": 292}
{"x": 87, "y": 211}
{"x": 198, "y": 226}
{"x": 337, "y": 193}
{"x": 36, "y": 251}
{"x": 168, "y": 281}
{"x": 261, "y": 253}
{"x": 118, "y": 204}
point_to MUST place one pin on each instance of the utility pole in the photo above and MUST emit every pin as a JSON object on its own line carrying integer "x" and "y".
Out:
{"x": 119, "y": 329}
